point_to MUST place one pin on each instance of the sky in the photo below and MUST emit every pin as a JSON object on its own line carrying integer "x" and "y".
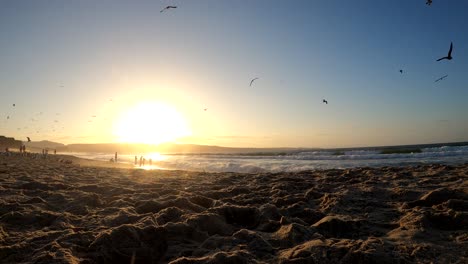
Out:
{"x": 114, "y": 71}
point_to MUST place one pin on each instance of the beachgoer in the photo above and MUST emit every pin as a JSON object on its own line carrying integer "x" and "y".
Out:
{"x": 55, "y": 151}
{"x": 136, "y": 159}
{"x": 150, "y": 162}
{"x": 115, "y": 156}
{"x": 141, "y": 160}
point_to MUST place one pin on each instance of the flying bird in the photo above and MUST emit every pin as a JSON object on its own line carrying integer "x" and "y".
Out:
{"x": 29, "y": 140}
{"x": 449, "y": 55}
{"x": 441, "y": 78}
{"x": 167, "y": 8}
{"x": 253, "y": 80}
{"x": 14, "y": 104}
{"x": 204, "y": 109}
{"x": 401, "y": 71}
{"x": 429, "y": 2}
{"x": 325, "y": 101}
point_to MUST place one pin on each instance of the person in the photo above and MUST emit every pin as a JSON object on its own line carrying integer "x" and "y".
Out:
{"x": 141, "y": 160}
{"x": 55, "y": 151}
{"x": 115, "y": 156}
{"x": 136, "y": 159}
{"x": 24, "y": 148}
{"x": 150, "y": 162}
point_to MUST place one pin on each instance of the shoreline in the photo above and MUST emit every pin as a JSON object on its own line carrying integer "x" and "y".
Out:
{"x": 56, "y": 211}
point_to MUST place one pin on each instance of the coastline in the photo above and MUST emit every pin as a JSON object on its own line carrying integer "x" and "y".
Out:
{"x": 94, "y": 212}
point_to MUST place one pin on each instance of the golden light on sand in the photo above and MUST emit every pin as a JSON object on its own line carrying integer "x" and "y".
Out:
{"x": 151, "y": 123}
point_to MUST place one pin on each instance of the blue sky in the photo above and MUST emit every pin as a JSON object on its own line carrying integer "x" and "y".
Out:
{"x": 68, "y": 59}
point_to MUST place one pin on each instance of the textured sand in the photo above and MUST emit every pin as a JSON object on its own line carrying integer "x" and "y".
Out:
{"x": 54, "y": 211}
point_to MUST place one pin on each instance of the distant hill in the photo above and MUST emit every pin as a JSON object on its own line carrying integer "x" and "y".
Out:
{"x": 168, "y": 148}
{"x": 44, "y": 144}
{"x": 7, "y": 142}
{"x": 107, "y": 148}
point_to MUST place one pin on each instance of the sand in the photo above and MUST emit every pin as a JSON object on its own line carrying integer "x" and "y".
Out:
{"x": 63, "y": 210}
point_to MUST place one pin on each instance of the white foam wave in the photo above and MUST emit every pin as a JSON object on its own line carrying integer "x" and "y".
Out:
{"x": 299, "y": 161}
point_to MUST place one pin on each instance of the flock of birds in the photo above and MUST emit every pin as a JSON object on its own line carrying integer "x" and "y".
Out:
{"x": 324, "y": 101}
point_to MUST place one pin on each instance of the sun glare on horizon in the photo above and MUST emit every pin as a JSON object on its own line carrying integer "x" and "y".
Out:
{"x": 151, "y": 123}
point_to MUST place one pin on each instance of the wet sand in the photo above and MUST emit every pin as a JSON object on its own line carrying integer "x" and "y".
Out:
{"x": 69, "y": 210}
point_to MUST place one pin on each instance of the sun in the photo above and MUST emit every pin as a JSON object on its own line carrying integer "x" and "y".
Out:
{"x": 151, "y": 123}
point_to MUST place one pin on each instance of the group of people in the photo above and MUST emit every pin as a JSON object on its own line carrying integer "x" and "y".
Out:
{"x": 23, "y": 152}
{"x": 138, "y": 162}
{"x": 143, "y": 161}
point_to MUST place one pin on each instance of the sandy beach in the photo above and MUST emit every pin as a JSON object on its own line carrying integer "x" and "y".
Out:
{"x": 68, "y": 210}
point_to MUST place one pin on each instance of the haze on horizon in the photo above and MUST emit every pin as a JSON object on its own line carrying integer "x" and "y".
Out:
{"x": 121, "y": 71}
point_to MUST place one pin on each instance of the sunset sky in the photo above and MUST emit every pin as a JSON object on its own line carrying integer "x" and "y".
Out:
{"x": 111, "y": 71}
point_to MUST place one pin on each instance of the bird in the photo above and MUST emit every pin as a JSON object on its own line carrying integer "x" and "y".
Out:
{"x": 449, "y": 55}
{"x": 8, "y": 117}
{"x": 204, "y": 109}
{"x": 14, "y": 104}
{"x": 441, "y": 78}
{"x": 29, "y": 140}
{"x": 253, "y": 80}
{"x": 401, "y": 71}
{"x": 428, "y": 2}
{"x": 325, "y": 101}
{"x": 167, "y": 8}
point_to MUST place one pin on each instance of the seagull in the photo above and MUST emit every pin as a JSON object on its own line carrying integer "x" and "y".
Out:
{"x": 14, "y": 104}
{"x": 441, "y": 78}
{"x": 449, "y": 55}
{"x": 401, "y": 71}
{"x": 253, "y": 80}
{"x": 325, "y": 101}
{"x": 429, "y": 2}
{"x": 8, "y": 117}
{"x": 29, "y": 140}
{"x": 167, "y": 8}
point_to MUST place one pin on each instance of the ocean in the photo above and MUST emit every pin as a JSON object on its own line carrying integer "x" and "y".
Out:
{"x": 298, "y": 160}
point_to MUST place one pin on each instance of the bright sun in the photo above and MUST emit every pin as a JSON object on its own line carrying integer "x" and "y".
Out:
{"x": 151, "y": 123}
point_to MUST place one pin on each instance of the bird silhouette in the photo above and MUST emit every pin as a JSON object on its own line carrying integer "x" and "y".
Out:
{"x": 449, "y": 55}
{"x": 14, "y": 104}
{"x": 428, "y": 2}
{"x": 29, "y": 140}
{"x": 167, "y": 8}
{"x": 441, "y": 78}
{"x": 401, "y": 71}
{"x": 8, "y": 117}
{"x": 251, "y": 82}
{"x": 325, "y": 101}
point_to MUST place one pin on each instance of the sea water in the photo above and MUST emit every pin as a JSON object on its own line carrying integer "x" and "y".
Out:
{"x": 293, "y": 161}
